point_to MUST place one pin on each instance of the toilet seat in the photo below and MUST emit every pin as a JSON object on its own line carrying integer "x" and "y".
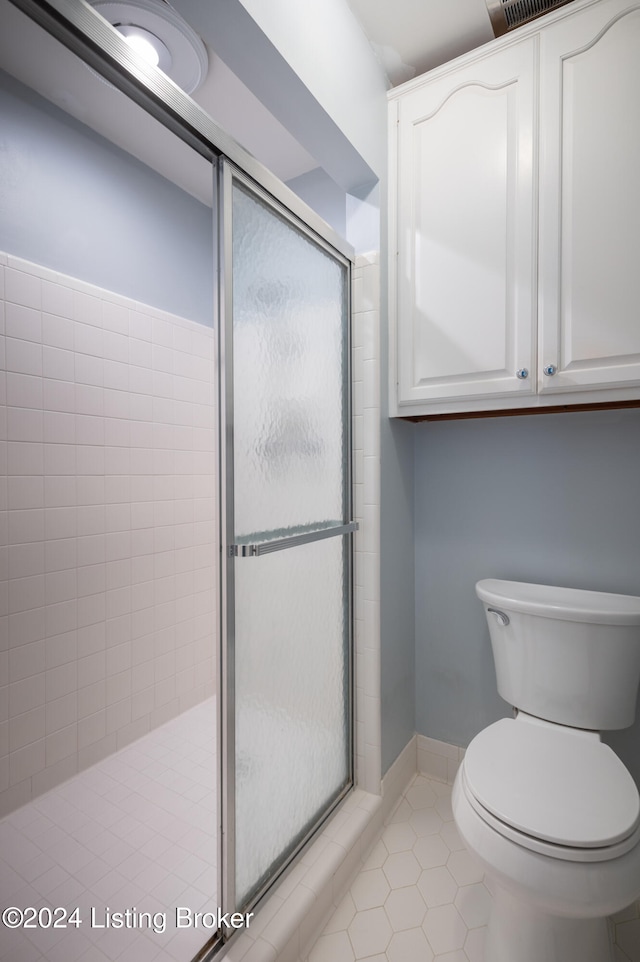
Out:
{"x": 563, "y": 852}
{"x": 555, "y": 790}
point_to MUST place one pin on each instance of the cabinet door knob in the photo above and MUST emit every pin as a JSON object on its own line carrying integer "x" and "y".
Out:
{"x": 522, "y": 373}
{"x": 549, "y": 370}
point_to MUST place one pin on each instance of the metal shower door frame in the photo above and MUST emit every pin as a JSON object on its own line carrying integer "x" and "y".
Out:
{"x": 227, "y": 173}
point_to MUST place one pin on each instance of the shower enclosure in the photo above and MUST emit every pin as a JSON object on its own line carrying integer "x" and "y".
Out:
{"x": 279, "y": 382}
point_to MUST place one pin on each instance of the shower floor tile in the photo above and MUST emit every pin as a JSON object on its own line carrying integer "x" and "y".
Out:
{"x": 135, "y": 832}
{"x": 420, "y": 896}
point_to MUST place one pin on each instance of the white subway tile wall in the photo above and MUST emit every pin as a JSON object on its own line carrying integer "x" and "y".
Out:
{"x": 108, "y": 558}
{"x": 366, "y": 488}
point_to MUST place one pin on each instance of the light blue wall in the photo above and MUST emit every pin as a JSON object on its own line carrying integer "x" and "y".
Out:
{"x": 397, "y": 627}
{"x": 551, "y": 498}
{"x": 72, "y": 201}
{"x": 397, "y": 570}
{"x": 324, "y": 196}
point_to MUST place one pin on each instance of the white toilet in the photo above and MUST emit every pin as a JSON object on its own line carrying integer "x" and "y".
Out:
{"x": 548, "y": 809}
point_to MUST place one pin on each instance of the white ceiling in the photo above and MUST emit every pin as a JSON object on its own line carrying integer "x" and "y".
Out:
{"x": 412, "y": 36}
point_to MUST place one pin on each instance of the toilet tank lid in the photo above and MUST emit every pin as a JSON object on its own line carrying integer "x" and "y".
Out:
{"x": 566, "y": 604}
{"x": 553, "y": 783}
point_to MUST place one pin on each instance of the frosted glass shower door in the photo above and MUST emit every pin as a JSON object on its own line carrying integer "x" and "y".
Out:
{"x": 288, "y": 535}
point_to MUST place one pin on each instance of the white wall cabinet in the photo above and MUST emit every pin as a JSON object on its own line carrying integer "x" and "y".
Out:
{"x": 515, "y": 220}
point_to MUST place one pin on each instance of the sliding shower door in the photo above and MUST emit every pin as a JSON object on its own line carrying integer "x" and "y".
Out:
{"x": 286, "y": 535}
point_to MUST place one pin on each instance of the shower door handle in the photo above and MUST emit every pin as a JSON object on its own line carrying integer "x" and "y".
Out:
{"x": 280, "y": 544}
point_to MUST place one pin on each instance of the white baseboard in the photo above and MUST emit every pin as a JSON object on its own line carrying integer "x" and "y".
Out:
{"x": 438, "y": 760}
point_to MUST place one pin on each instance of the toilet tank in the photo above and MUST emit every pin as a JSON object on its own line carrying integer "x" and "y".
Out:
{"x": 563, "y": 654}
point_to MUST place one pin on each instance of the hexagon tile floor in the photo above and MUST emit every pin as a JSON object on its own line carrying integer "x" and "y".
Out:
{"x": 421, "y": 897}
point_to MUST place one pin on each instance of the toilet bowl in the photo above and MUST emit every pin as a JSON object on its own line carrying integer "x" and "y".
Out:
{"x": 547, "y": 808}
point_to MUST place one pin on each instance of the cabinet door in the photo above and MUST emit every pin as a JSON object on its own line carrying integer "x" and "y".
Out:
{"x": 465, "y": 232}
{"x": 590, "y": 199}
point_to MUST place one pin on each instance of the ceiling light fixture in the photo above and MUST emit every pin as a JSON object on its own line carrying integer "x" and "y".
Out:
{"x": 146, "y": 44}
{"x": 161, "y": 36}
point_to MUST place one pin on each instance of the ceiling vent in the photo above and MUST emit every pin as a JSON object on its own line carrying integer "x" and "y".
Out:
{"x": 506, "y": 15}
